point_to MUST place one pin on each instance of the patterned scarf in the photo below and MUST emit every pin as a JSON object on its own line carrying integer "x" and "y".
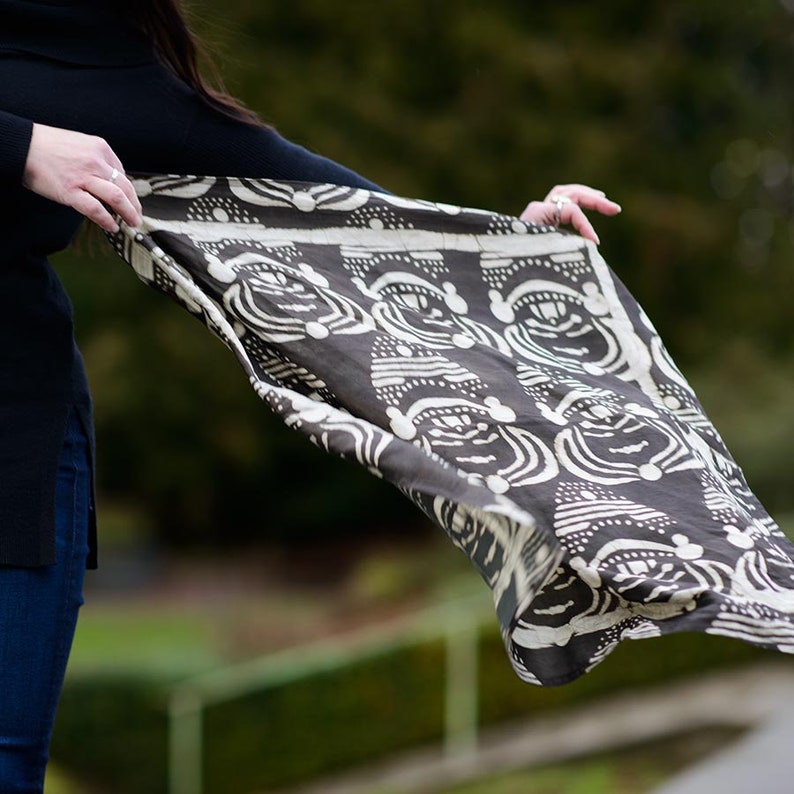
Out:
{"x": 499, "y": 375}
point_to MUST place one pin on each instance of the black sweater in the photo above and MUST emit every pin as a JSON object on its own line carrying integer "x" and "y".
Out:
{"x": 78, "y": 65}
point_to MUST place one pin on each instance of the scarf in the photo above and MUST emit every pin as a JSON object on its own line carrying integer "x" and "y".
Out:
{"x": 498, "y": 374}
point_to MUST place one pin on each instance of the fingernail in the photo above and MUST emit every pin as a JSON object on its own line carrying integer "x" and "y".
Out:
{"x": 597, "y": 240}
{"x": 620, "y": 209}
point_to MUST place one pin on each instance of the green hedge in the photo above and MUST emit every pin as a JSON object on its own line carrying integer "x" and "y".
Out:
{"x": 113, "y": 729}
{"x": 327, "y": 722}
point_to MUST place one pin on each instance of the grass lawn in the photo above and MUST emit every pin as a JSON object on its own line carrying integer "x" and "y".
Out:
{"x": 205, "y": 614}
{"x": 130, "y": 638}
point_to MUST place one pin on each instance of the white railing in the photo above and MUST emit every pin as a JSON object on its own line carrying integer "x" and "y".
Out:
{"x": 458, "y": 622}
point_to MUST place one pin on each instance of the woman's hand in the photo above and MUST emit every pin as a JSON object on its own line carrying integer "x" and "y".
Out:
{"x": 564, "y": 204}
{"x": 83, "y": 172}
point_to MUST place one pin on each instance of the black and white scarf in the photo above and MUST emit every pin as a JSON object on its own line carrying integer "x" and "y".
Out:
{"x": 499, "y": 374}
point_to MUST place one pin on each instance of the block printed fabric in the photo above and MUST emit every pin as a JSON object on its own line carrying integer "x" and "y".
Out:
{"x": 501, "y": 376}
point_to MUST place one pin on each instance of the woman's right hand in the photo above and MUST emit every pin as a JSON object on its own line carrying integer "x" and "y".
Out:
{"x": 80, "y": 171}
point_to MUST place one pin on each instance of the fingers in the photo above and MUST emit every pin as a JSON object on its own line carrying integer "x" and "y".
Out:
{"x": 576, "y": 197}
{"x": 122, "y": 181}
{"x": 586, "y": 197}
{"x": 83, "y": 172}
{"x": 598, "y": 203}
{"x": 119, "y": 197}
{"x": 539, "y": 212}
{"x": 572, "y": 214}
{"x": 94, "y": 210}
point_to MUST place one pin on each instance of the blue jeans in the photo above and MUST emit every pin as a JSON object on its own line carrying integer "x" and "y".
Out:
{"x": 38, "y": 614}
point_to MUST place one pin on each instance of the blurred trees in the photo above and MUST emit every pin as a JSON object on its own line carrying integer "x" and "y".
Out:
{"x": 681, "y": 111}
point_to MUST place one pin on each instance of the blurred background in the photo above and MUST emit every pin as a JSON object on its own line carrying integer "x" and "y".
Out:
{"x": 225, "y": 536}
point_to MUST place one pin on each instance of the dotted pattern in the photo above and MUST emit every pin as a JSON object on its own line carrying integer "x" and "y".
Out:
{"x": 500, "y": 376}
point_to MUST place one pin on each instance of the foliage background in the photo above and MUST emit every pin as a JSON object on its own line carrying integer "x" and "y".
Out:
{"x": 680, "y": 111}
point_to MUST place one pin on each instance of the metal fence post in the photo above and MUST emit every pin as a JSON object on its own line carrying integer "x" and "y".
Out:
{"x": 185, "y": 753}
{"x": 462, "y": 692}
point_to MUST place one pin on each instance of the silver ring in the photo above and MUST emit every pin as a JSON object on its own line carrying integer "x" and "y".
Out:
{"x": 114, "y": 175}
{"x": 559, "y": 202}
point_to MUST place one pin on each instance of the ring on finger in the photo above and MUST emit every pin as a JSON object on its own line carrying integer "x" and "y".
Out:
{"x": 559, "y": 202}
{"x": 114, "y": 175}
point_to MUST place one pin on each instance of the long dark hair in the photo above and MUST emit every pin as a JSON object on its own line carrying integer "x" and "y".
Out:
{"x": 166, "y": 25}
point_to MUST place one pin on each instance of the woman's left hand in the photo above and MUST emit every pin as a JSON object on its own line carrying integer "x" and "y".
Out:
{"x": 564, "y": 204}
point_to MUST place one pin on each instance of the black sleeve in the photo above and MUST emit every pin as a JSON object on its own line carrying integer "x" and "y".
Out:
{"x": 163, "y": 126}
{"x": 235, "y": 148}
{"x": 15, "y": 134}
{"x": 154, "y": 122}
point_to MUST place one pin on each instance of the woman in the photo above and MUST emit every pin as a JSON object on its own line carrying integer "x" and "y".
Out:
{"x": 89, "y": 88}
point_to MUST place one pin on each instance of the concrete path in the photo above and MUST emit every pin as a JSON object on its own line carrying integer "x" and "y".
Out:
{"x": 746, "y": 697}
{"x": 762, "y": 762}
